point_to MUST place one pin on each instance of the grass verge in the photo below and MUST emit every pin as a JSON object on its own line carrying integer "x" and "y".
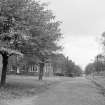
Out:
{"x": 99, "y": 81}
{"x": 21, "y": 86}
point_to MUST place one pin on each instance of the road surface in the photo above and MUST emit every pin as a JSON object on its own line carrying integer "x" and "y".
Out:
{"x": 71, "y": 91}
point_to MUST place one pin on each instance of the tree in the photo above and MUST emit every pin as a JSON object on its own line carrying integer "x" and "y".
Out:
{"x": 89, "y": 68}
{"x": 77, "y": 71}
{"x": 27, "y": 27}
{"x": 72, "y": 69}
{"x": 5, "y": 54}
{"x": 45, "y": 39}
{"x": 59, "y": 64}
{"x": 97, "y": 66}
{"x": 12, "y": 34}
{"x": 99, "y": 63}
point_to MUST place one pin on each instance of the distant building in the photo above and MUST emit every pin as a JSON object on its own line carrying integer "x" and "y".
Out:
{"x": 28, "y": 69}
{"x": 51, "y": 67}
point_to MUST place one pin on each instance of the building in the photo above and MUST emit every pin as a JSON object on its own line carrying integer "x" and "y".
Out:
{"x": 27, "y": 67}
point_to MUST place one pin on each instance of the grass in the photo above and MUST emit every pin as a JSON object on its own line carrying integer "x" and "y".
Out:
{"x": 99, "y": 81}
{"x": 21, "y": 86}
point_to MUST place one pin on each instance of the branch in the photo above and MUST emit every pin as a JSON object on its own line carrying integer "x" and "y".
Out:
{"x": 10, "y": 52}
{"x": 14, "y": 52}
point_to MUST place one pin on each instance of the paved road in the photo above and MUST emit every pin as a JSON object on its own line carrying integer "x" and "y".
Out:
{"x": 77, "y": 91}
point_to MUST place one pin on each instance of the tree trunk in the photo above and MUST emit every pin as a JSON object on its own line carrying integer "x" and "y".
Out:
{"x": 41, "y": 71}
{"x": 4, "y": 69}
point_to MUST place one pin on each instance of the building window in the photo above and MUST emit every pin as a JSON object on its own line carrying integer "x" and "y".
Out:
{"x": 34, "y": 68}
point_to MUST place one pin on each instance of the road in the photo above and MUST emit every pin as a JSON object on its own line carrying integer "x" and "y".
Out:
{"x": 70, "y": 91}
{"x": 77, "y": 91}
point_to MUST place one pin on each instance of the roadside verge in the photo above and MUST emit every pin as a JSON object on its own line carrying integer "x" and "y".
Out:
{"x": 99, "y": 81}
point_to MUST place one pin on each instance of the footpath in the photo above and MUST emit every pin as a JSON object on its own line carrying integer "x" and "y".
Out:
{"x": 73, "y": 91}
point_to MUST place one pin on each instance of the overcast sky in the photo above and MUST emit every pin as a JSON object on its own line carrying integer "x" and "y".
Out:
{"x": 83, "y": 22}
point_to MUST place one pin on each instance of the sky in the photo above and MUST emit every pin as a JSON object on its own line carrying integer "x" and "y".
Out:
{"x": 83, "y": 24}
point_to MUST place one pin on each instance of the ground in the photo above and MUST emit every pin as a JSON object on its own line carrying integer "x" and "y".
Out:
{"x": 66, "y": 91}
{"x": 77, "y": 91}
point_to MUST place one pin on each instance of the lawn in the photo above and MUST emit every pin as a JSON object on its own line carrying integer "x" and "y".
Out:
{"x": 18, "y": 87}
{"x": 99, "y": 81}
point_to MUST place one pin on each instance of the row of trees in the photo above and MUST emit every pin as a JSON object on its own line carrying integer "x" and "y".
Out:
{"x": 99, "y": 63}
{"x": 65, "y": 66}
{"x": 27, "y": 28}
{"x": 97, "y": 66}
{"x": 72, "y": 69}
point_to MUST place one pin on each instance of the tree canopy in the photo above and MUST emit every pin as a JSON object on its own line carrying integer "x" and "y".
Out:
{"x": 97, "y": 66}
{"x": 28, "y": 27}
